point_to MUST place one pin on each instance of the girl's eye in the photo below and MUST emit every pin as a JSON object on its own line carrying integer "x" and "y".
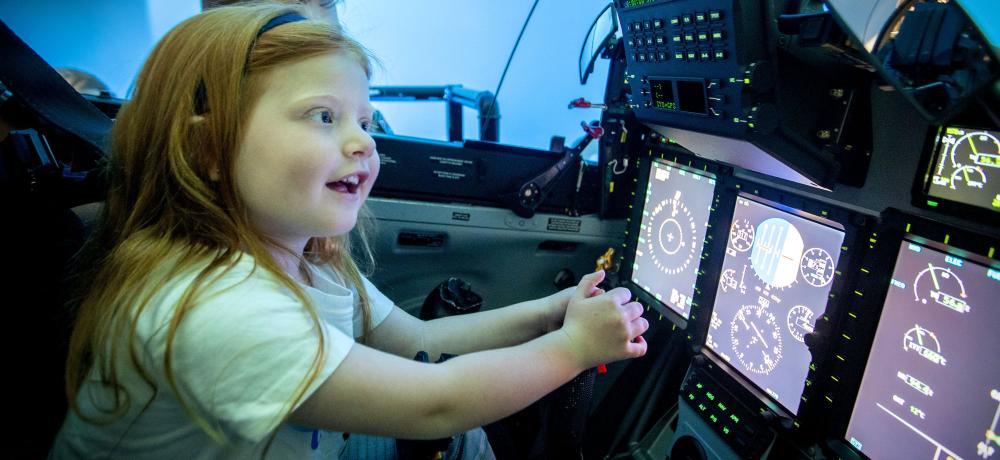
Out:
{"x": 367, "y": 126}
{"x": 322, "y": 116}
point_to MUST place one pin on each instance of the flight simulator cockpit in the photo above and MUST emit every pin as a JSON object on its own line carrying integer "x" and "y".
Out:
{"x": 804, "y": 194}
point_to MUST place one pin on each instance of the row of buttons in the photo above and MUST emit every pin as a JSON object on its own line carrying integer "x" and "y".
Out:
{"x": 730, "y": 420}
{"x": 689, "y": 55}
{"x": 696, "y": 18}
{"x": 676, "y": 21}
{"x": 648, "y": 24}
{"x": 686, "y": 38}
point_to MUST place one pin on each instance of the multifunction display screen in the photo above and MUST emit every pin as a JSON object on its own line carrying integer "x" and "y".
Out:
{"x": 966, "y": 167}
{"x": 775, "y": 282}
{"x": 671, "y": 235}
{"x": 931, "y": 388}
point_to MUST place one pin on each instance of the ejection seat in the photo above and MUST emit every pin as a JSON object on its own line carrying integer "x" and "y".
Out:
{"x": 51, "y": 138}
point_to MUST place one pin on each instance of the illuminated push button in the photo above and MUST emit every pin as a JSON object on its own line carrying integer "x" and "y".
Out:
{"x": 718, "y": 35}
{"x": 635, "y": 56}
{"x": 702, "y": 36}
{"x": 651, "y": 56}
{"x": 649, "y": 41}
{"x": 657, "y": 23}
{"x": 686, "y": 19}
{"x": 699, "y": 17}
{"x": 675, "y": 21}
{"x": 715, "y": 15}
{"x": 631, "y": 43}
{"x": 660, "y": 40}
{"x": 679, "y": 55}
{"x": 642, "y": 57}
{"x": 646, "y": 25}
{"x": 662, "y": 55}
{"x": 677, "y": 39}
{"x": 719, "y": 55}
{"x": 704, "y": 55}
{"x": 692, "y": 55}
{"x": 689, "y": 37}
{"x": 637, "y": 26}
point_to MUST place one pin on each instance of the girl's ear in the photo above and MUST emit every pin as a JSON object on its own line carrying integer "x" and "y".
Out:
{"x": 213, "y": 173}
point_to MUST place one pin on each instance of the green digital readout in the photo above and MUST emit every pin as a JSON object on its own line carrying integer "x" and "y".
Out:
{"x": 635, "y": 3}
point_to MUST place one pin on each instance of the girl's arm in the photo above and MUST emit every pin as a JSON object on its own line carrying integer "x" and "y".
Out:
{"x": 377, "y": 393}
{"x": 404, "y": 335}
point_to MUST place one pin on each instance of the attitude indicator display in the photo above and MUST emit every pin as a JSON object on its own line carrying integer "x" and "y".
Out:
{"x": 965, "y": 167}
{"x": 776, "y": 277}
{"x": 671, "y": 236}
{"x": 931, "y": 388}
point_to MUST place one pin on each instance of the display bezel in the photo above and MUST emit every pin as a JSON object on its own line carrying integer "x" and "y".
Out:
{"x": 860, "y": 323}
{"x": 777, "y": 406}
{"x": 690, "y": 164}
{"x": 921, "y": 193}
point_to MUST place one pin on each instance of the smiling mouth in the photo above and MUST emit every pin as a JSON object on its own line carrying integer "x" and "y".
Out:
{"x": 349, "y": 184}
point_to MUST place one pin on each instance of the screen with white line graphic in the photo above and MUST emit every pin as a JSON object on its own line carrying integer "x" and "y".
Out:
{"x": 966, "y": 167}
{"x": 775, "y": 281}
{"x": 672, "y": 233}
{"x": 931, "y": 388}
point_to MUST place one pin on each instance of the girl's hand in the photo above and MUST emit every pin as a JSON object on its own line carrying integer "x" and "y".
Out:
{"x": 603, "y": 327}
{"x": 555, "y": 311}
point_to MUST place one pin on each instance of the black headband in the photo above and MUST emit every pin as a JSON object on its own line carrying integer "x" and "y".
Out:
{"x": 279, "y": 20}
{"x": 201, "y": 99}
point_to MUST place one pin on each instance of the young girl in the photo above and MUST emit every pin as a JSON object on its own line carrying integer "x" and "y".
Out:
{"x": 223, "y": 314}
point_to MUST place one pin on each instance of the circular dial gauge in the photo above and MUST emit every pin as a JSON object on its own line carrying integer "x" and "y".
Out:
{"x": 968, "y": 176}
{"x": 756, "y": 339}
{"x": 670, "y": 235}
{"x": 941, "y": 286}
{"x": 741, "y": 235}
{"x": 816, "y": 267}
{"x": 924, "y": 343}
{"x": 800, "y": 322}
{"x": 777, "y": 249}
{"x": 975, "y": 148}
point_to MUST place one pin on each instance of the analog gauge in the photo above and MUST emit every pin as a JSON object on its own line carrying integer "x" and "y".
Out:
{"x": 777, "y": 250}
{"x": 756, "y": 339}
{"x": 816, "y": 267}
{"x": 671, "y": 235}
{"x": 940, "y": 285}
{"x": 800, "y": 322}
{"x": 976, "y": 148}
{"x": 741, "y": 235}
{"x": 924, "y": 343}
{"x": 967, "y": 176}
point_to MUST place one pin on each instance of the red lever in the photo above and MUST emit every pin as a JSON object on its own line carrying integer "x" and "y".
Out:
{"x": 581, "y": 103}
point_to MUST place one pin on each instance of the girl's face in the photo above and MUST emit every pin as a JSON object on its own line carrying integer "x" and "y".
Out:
{"x": 307, "y": 162}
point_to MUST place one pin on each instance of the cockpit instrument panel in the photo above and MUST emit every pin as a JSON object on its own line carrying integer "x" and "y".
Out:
{"x": 776, "y": 276}
{"x": 964, "y": 168}
{"x": 687, "y": 69}
{"x": 931, "y": 386}
{"x": 676, "y": 205}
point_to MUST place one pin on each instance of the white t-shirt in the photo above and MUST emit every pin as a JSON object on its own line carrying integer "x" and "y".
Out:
{"x": 238, "y": 358}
